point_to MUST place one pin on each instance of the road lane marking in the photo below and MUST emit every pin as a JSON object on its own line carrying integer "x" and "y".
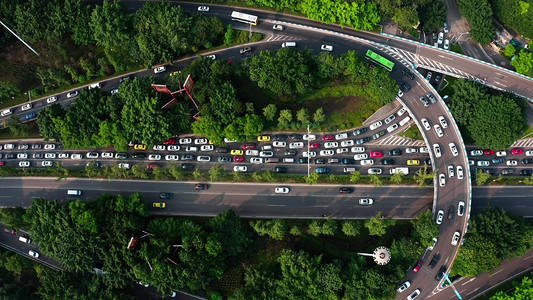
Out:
{"x": 471, "y": 291}
{"x": 496, "y": 273}
{"x": 276, "y": 205}
{"x": 528, "y": 257}
{"x": 472, "y": 279}
{"x": 445, "y": 57}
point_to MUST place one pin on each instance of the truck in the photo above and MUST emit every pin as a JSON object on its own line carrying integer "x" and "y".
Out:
{"x": 403, "y": 170}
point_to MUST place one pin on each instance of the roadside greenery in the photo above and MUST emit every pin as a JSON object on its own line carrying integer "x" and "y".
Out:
{"x": 516, "y": 14}
{"x": 523, "y": 290}
{"x": 479, "y": 15}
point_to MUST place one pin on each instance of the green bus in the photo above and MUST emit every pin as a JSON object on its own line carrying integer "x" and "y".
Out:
{"x": 380, "y": 60}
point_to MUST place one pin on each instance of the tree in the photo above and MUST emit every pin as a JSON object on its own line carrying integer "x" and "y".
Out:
{"x": 351, "y": 228}
{"x": 466, "y": 95}
{"x": 8, "y": 90}
{"x": 319, "y": 117}
{"x": 329, "y": 66}
{"x": 92, "y": 170}
{"x": 397, "y": 177}
{"x": 276, "y": 229}
{"x": 509, "y": 52}
{"x": 482, "y": 177}
{"x": 269, "y": 112}
{"x": 176, "y": 171}
{"x": 477, "y": 256}
{"x": 303, "y": 117}
{"x": 523, "y": 291}
{"x": 378, "y": 225}
{"x": 423, "y": 177}
{"x": 407, "y": 17}
{"x": 523, "y": 63}
{"x": 285, "y": 118}
{"x": 215, "y": 173}
{"x": 17, "y": 128}
{"x": 479, "y": 15}
{"x": 432, "y": 15}
{"x": 111, "y": 25}
{"x": 312, "y": 178}
{"x": 12, "y": 216}
{"x": 197, "y": 173}
{"x": 235, "y": 237}
{"x": 355, "y": 176}
{"x": 425, "y": 228}
{"x": 375, "y": 180}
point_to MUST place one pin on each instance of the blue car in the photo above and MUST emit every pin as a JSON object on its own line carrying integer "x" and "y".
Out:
{"x": 31, "y": 116}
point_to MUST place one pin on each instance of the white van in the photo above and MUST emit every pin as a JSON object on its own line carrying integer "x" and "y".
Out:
{"x": 333, "y": 160}
{"x": 288, "y": 44}
{"x": 266, "y": 147}
{"x": 6, "y": 112}
{"x": 349, "y": 169}
{"x": 74, "y": 192}
{"x": 288, "y": 160}
{"x": 25, "y": 239}
{"x": 95, "y": 86}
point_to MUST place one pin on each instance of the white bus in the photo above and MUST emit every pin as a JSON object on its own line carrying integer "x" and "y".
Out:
{"x": 245, "y": 18}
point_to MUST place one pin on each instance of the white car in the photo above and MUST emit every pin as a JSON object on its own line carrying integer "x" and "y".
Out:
{"x": 441, "y": 38}
{"x": 125, "y": 166}
{"x": 309, "y": 154}
{"x": 203, "y": 158}
{"x": 159, "y": 147}
{"x": 455, "y": 238}
{"x": 411, "y": 150}
{"x": 376, "y": 125}
{"x": 160, "y": 69}
{"x": 438, "y": 130}
{"x": 404, "y": 286}
{"x": 282, "y": 190}
{"x": 446, "y": 44}
{"x": 375, "y": 171}
{"x": 185, "y": 141}
{"x": 200, "y": 141}
{"x": 154, "y": 157}
{"x": 414, "y": 295}
{"x": 483, "y": 163}
{"x": 211, "y": 56}
{"x": 279, "y": 144}
{"x": 50, "y": 155}
{"x": 435, "y": 240}
{"x": 63, "y": 155}
{"x": 343, "y": 150}
{"x": 341, "y": 136}
{"x": 92, "y": 155}
{"x": 191, "y": 149}
{"x": 476, "y": 152}
{"x": 471, "y": 162}
{"x": 203, "y": 8}
{"x": 400, "y": 93}
{"x": 451, "y": 172}
{"x": 256, "y": 160}
{"x": 51, "y": 99}
{"x": 270, "y": 153}
{"x": 23, "y": 147}
{"x": 460, "y": 173}
{"x": 367, "y": 162}
{"x": 366, "y": 201}
{"x": 240, "y": 168}
{"x": 22, "y": 156}
{"x": 443, "y": 122}
{"x": 358, "y": 149}
{"x": 347, "y": 143}
{"x": 309, "y": 137}
{"x": 424, "y": 150}
{"x": 401, "y": 111}
{"x": 72, "y": 94}
{"x": 9, "y": 146}
{"x": 512, "y": 162}
{"x": 207, "y": 148}
{"x": 442, "y": 179}
{"x": 24, "y": 164}
{"x": 49, "y": 146}
{"x": 252, "y": 152}
{"x": 107, "y": 155}
{"x": 461, "y": 208}
{"x": 114, "y": 92}
{"x": 390, "y": 119}
{"x": 426, "y": 124}
{"x": 440, "y": 217}
{"x": 172, "y": 157}
{"x": 173, "y": 148}
{"x": 47, "y": 163}
{"x": 392, "y": 127}
{"x": 329, "y": 145}
{"x": 326, "y": 48}
{"x": 501, "y": 153}
{"x": 296, "y": 145}
{"x": 529, "y": 153}
{"x": 26, "y": 107}
{"x": 436, "y": 149}
{"x": 327, "y": 153}
{"x": 278, "y": 27}
{"x": 33, "y": 253}
{"x": 360, "y": 156}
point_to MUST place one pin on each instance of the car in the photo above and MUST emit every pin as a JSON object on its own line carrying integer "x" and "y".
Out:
{"x": 346, "y": 190}
{"x": 488, "y": 152}
{"x": 376, "y": 154}
{"x": 400, "y": 93}
{"x": 436, "y": 149}
{"x": 446, "y": 44}
{"x": 154, "y": 157}
{"x": 507, "y": 171}
{"x": 92, "y": 155}
{"x": 51, "y": 99}
{"x": 441, "y": 38}
{"x": 376, "y": 125}
{"x": 159, "y": 147}
{"x": 404, "y": 86}
{"x": 392, "y": 127}
{"x": 455, "y": 238}
{"x": 263, "y": 138}
{"x": 221, "y": 150}
{"x": 375, "y": 171}
{"x": 498, "y": 160}
{"x": 107, "y": 155}
{"x": 279, "y": 144}
{"x": 328, "y": 138}
{"x": 347, "y": 143}
{"x": 187, "y": 167}
{"x": 366, "y": 201}
{"x": 428, "y": 76}
{"x": 424, "y": 101}
{"x": 24, "y": 164}
{"x": 191, "y": 149}
{"x": 526, "y": 172}
{"x": 423, "y": 150}
{"x": 517, "y": 151}
{"x": 326, "y": 47}
{"x": 134, "y": 155}
{"x": 358, "y": 149}
{"x": 471, "y": 162}
{"x": 172, "y": 157}
{"x": 427, "y": 161}
{"x": 527, "y": 161}
{"x": 390, "y": 119}
{"x": 329, "y": 145}
{"x": 322, "y": 170}
{"x": 139, "y": 147}
{"x": 451, "y": 212}
{"x": 440, "y": 273}
{"x": 76, "y": 156}
{"x": 438, "y": 130}
{"x": 431, "y": 98}
{"x": 367, "y": 162}
{"x": 430, "y": 248}
{"x": 160, "y": 69}
{"x": 38, "y": 155}
{"x": 173, "y": 148}
{"x": 296, "y": 145}
{"x": 47, "y": 163}
{"x": 451, "y": 172}
{"x": 256, "y": 160}
{"x": 184, "y": 141}
{"x": 501, "y": 153}
{"x": 443, "y": 122}
{"x": 341, "y": 136}
{"x": 33, "y": 253}
{"x": 327, "y": 153}
{"x": 408, "y": 74}
{"x": 23, "y": 147}
{"x": 203, "y": 8}
{"x": 445, "y": 27}
{"x": 282, "y": 190}
{"x": 411, "y": 150}
{"x": 343, "y": 150}
{"x": 236, "y": 152}
{"x": 290, "y": 153}
{"x": 170, "y": 141}
{"x": 270, "y": 153}
{"x": 362, "y": 140}
{"x": 278, "y": 27}
{"x": 401, "y": 111}
{"x": 295, "y": 136}
{"x": 63, "y": 155}
{"x": 166, "y": 195}
{"x": 434, "y": 260}
{"x": 529, "y": 153}
{"x": 461, "y": 208}
{"x": 245, "y": 50}
{"x": 303, "y": 160}
{"x": 30, "y": 116}
{"x": 378, "y": 135}
{"x": 121, "y": 155}
{"x": 512, "y": 162}
{"x": 425, "y": 123}
{"x": 442, "y": 180}
{"x": 314, "y": 145}
{"x": 72, "y": 94}
{"x": 238, "y": 158}
{"x": 124, "y": 78}
{"x": 387, "y": 161}
{"x": 201, "y": 186}
{"x": 404, "y": 286}
{"x": 483, "y": 163}
{"x": 359, "y": 131}
{"x": 251, "y": 152}
{"x": 414, "y": 294}
{"x": 418, "y": 265}
{"x": 395, "y": 152}
{"x": 224, "y": 159}
{"x": 348, "y": 161}
{"x": 476, "y": 152}
{"x": 240, "y": 168}
{"x": 309, "y": 154}
{"x": 440, "y": 217}
{"x": 248, "y": 146}
{"x": 113, "y": 92}
{"x": 151, "y": 166}
{"x": 50, "y": 155}
{"x": 207, "y": 148}
{"x": 159, "y": 205}
{"x": 279, "y": 170}
{"x": 413, "y": 162}
{"x": 360, "y": 156}
{"x": 201, "y": 141}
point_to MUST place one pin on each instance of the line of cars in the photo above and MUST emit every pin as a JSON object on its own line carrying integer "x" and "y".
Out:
{"x": 500, "y": 158}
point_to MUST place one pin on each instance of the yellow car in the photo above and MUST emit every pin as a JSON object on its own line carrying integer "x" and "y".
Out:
{"x": 139, "y": 147}
{"x": 174, "y": 73}
{"x": 237, "y": 152}
{"x": 263, "y": 138}
{"x": 413, "y": 162}
{"x": 159, "y": 204}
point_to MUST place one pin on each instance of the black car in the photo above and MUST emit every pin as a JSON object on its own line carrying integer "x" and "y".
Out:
{"x": 451, "y": 212}
{"x": 387, "y": 161}
{"x": 290, "y": 153}
{"x": 348, "y": 161}
{"x": 320, "y": 161}
{"x": 346, "y": 190}
{"x": 527, "y": 161}
{"x": 121, "y": 155}
{"x": 279, "y": 137}
{"x": 362, "y": 140}
{"x": 303, "y": 160}
{"x": 322, "y": 170}
{"x": 38, "y": 155}
{"x": 295, "y": 137}
{"x": 224, "y": 159}
{"x": 222, "y": 150}
{"x": 507, "y": 171}
{"x": 434, "y": 260}
{"x": 187, "y": 167}
{"x": 525, "y": 172}
{"x": 498, "y": 160}
{"x": 438, "y": 77}
{"x": 124, "y": 78}
{"x": 138, "y": 155}
{"x": 166, "y": 195}
{"x": 280, "y": 170}
{"x": 9, "y": 155}
{"x": 395, "y": 152}
{"x": 428, "y": 161}
{"x": 440, "y": 273}
{"x": 404, "y": 86}
{"x": 360, "y": 131}
{"x": 408, "y": 74}
{"x": 187, "y": 157}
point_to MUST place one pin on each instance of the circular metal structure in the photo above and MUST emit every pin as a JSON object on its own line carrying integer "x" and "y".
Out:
{"x": 382, "y": 255}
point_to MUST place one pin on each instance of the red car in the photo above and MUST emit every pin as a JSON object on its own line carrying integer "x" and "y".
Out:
{"x": 170, "y": 141}
{"x": 2, "y": 163}
{"x": 248, "y": 146}
{"x": 238, "y": 158}
{"x": 517, "y": 151}
{"x": 201, "y": 186}
{"x": 418, "y": 266}
{"x": 151, "y": 166}
{"x": 314, "y": 145}
{"x": 10, "y": 231}
{"x": 489, "y": 152}
{"x": 376, "y": 154}
{"x": 328, "y": 138}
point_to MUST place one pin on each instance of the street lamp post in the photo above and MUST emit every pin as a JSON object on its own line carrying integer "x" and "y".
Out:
{"x": 308, "y": 160}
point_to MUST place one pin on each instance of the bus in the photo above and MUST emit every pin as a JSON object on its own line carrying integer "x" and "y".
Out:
{"x": 380, "y": 60}
{"x": 245, "y": 18}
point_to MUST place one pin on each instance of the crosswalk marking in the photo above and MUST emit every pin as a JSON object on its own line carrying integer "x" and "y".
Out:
{"x": 523, "y": 143}
{"x": 394, "y": 140}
